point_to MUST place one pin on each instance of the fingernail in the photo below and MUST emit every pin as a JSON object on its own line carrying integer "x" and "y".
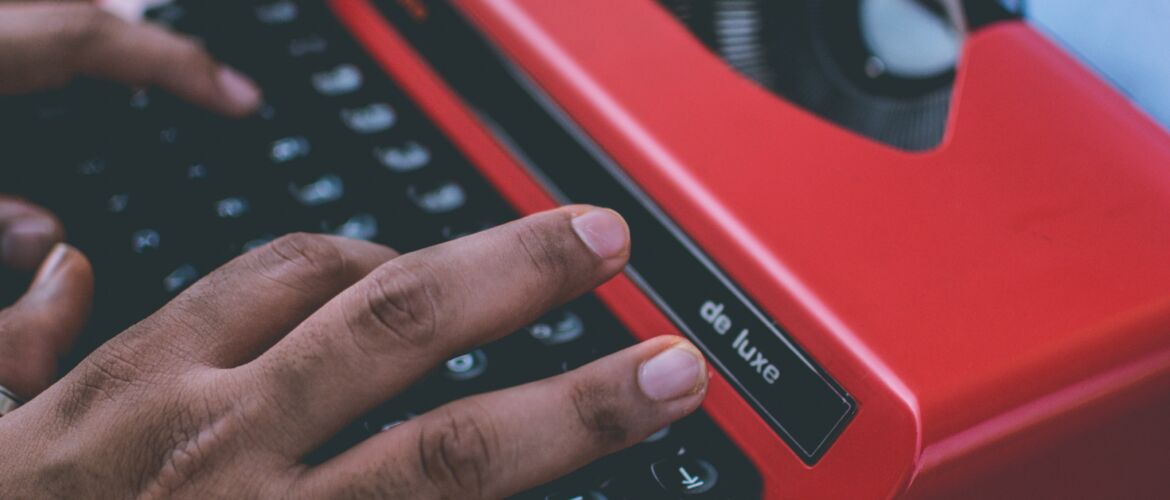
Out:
{"x": 603, "y": 231}
{"x": 671, "y": 374}
{"x": 52, "y": 263}
{"x": 241, "y": 90}
{"x": 25, "y": 242}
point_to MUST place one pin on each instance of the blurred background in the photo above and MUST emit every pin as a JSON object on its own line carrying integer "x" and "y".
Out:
{"x": 1125, "y": 40}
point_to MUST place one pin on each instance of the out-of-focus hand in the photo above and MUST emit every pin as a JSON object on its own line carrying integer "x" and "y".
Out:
{"x": 47, "y": 44}
{"x": 44, "y": 45}
{"x": 224, "y": 391}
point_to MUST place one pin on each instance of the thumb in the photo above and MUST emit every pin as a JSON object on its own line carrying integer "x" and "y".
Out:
{"x": 42, "y": 325}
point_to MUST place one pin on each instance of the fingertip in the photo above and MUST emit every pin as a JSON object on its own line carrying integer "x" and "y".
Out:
{"x": 677, "y": 371}
{"x": 242, "y": 94}
{"x": 604, "y": 231}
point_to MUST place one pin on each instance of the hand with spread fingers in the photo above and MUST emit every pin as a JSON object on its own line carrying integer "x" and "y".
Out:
{"x": 225, "y": 390}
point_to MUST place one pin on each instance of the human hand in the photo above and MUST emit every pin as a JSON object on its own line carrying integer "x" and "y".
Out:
{"x": 226, "y": 389}
{"x": 45, "y": 45}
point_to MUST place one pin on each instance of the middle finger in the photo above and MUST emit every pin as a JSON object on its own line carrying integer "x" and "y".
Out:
{"x": 385, "y": 332}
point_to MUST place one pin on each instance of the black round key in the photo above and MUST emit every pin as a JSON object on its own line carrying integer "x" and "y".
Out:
{"x": 559, "y": 327}
{"x": 658, "y": 435}
{"x": 577, "y": 495}
{"x": 145, "y": 241}
{"x": 384, "y": 422}
{"x": 180, "y": 278}
{"x": 437, "y": 197}
{"x": 466, "y": 366}
{"x": 685, "y": 475}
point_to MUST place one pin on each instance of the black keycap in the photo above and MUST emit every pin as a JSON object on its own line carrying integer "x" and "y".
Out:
{"x": 685, "y": 475}
{"x": 277, "y": 12}
{"x": 323, "y": 190}
{"x": 437, "y": 197}
{"x": 385, "y": 420}
{"x": 288, "y": 149}
{"x": 180, "y": 278}
{"x": 558, "y": 327}
{"x": 307, "y": 47}
{"x": 370, "y": 118}
{"x": 338, "y": 80}
{"x": 466, "y": 366}
{"x": 359, "y": 226}
{"x": 406, "y": 157}
{"x": 657, "y": 436}
{"x": 146, "y": 241}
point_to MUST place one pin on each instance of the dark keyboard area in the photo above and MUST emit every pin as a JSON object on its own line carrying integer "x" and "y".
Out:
{"x": 158, "y": 193}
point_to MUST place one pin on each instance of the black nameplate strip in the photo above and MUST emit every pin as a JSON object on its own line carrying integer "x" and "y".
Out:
{"x": 798, "y": 399}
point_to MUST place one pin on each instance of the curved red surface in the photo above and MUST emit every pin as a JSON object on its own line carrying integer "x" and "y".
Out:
{"x": 986, "y": 302}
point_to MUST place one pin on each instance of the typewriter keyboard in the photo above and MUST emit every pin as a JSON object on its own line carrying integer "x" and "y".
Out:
{"x": 158, "y": 193}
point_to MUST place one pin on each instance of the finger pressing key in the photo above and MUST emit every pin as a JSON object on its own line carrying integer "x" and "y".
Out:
{"x": 385, "y": 332}
{"x": 497, "y": 444}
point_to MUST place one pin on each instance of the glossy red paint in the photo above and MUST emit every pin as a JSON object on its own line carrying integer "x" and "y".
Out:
{"x": 999, "y": 306}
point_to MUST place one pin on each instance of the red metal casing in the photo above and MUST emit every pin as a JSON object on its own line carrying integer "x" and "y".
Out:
{"x": 999, "y": 306}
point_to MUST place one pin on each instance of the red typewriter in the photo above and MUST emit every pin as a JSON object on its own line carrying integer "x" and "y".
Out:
{"x": 926, "y": 251}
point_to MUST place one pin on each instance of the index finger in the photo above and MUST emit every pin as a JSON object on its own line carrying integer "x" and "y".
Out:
{"x": 377, "y": 337}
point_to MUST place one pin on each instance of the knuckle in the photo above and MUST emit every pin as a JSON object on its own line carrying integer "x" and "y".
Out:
{"x": 599, "y": 412}
{"x": 403, "y": 302}
{"x": 104, "y": 377}
{"x": 547, "y": 253}
{"x": 457, "y": 453}
{"x": 301, "y": 260}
